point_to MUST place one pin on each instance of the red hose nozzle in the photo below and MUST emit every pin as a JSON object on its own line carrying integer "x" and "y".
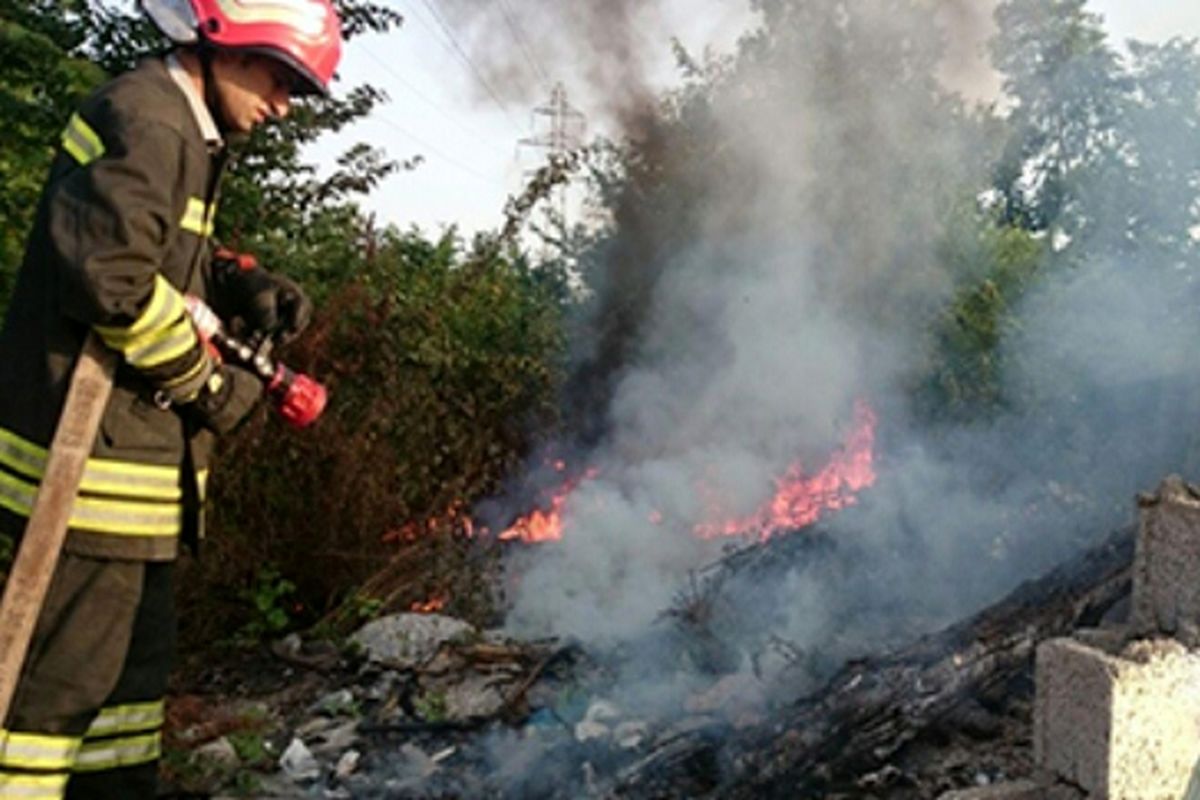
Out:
{"x": 299, "y": 399}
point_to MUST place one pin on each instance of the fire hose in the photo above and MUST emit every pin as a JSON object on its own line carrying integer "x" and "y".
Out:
{"x": 298, "y": 398}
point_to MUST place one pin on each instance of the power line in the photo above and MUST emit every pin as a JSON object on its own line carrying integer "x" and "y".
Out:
{"x": 522, "y": 42}
{"x": 436, "y": 151}
{"x": 421, "y": 95}
{"x": 466, "y": 59}
{"x": 567, "y": 127}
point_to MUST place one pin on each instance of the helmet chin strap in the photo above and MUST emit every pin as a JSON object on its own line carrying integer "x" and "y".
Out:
{"x": 206, "y": 52}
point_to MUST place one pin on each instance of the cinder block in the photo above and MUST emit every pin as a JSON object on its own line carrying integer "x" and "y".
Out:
{"x": 1122, "y": 726}
{"x": 1166, "y": 576}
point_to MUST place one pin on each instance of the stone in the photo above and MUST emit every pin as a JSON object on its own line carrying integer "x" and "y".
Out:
{"x": 348, "y": 763}
{"x": 334, "y": 740}
{"x": 1119, "y": 724}
{"x": 340, "y": 702}
{"x": 218, "y": 751}
{"x": 475, "y": 698}
{"x": 1166, "y": 567}
{"x": 298, "y": 763}
{"x": 406, "y": 641}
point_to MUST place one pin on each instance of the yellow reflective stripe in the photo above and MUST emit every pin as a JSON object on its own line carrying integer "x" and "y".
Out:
{"x": 81, "y": 141}
{"x": 165, "y": 304}
{"x": 162, "y": 332}
{"x": 100, "y": 476}
{"x": 123, "y": 752}
{"x": 166, "y": 345}
{"x": 198, "y": 218}
{"x": 99, "y": 516}
{"x": 202, "y": 484}
{"x": 190, "y": 375}
{"x": 33, "y": 787}
{"x": 37, "y": 751}
{"x": 135, "y": 717}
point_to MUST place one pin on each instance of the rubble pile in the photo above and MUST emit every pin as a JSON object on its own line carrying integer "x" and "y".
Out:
{"x": 432, "y": 707}
{"x": 428, "y": 706}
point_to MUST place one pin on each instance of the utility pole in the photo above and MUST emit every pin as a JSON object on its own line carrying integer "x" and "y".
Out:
{"x": 558, "y": 128}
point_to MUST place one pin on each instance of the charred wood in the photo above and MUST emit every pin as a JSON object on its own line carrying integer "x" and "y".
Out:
{"x": 873, "y": 708}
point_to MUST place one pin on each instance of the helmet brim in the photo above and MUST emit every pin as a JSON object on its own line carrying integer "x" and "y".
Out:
{"x": 305, "y": 83}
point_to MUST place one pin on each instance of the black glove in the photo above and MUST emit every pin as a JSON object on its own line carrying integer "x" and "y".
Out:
{"x": 230, "y": 394}
{"x": 255, "y": 300}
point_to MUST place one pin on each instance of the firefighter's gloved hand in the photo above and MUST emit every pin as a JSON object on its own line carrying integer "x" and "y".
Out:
{"x": 256, "y": 300}
{"x": 228, "y": 396}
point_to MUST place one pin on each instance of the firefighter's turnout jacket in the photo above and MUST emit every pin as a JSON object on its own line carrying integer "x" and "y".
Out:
{"x": 121, "y": 235}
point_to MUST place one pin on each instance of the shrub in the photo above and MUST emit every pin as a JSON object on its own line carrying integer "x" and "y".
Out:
{"x": 442, "y": 367}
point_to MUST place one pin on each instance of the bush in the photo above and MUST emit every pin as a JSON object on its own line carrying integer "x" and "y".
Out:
{"x": 442, "y": 369}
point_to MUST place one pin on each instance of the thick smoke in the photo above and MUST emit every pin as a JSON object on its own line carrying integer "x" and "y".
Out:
{"x": 783, "y": 269}
{"x": 523, "y": 47}
{"x": 775, "y": 258}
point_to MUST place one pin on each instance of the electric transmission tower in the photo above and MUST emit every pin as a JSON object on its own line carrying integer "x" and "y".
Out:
{"x": 558, "y": 128}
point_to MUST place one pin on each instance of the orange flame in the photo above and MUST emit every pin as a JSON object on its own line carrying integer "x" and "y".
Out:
{"x": 798, "y": 501}
{"x": 801, "y": 500}
{"x": 430, "y": 606}
{"x": 546, "y": 526}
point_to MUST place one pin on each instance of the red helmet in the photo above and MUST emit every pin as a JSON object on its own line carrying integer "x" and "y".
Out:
{"x": 304, "y": 34}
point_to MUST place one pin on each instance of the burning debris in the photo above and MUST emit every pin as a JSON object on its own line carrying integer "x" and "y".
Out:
{"x": 799, "y": 500}
{"x": 697, "y": 613}
{"x": 432, "y": 707}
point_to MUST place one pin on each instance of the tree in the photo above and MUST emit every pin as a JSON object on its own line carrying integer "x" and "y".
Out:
{"x": 42, "y": 80}
{"x": 1068, "y": 91}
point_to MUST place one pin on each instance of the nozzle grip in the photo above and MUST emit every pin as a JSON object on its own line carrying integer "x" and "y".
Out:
{"x": 299, "y": 399}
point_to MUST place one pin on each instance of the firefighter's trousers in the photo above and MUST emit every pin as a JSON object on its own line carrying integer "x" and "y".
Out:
{"x": 87, "y": 715}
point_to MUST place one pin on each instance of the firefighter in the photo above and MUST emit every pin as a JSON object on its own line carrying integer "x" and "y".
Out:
{"x": 122, "y": 233}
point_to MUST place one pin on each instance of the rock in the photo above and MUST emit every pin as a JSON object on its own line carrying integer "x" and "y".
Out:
{"x": 348, "y": 763}
{"x": 475, "y": 697}
{"x": 407, "y": 641}
{"x": 337, "y": 703}
{"x": 219, "y": 751}
{"x": 334, "y": 740}
{"x": 298, "y": 762}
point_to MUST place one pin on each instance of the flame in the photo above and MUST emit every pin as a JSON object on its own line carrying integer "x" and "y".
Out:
{"x": 430, "y": 606}
{"x": 546, "y": 525}
{"x": 801, "y": 500}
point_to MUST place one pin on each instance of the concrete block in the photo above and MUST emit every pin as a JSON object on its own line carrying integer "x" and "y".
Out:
{"x": 1121, "y": 725}
{"x": 1166, "y": 576}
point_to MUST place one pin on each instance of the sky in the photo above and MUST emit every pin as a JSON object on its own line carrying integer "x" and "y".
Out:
{"x": 468, "y": 129}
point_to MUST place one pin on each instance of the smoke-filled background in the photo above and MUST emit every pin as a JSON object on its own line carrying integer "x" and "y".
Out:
{"x": 824, "y": 219}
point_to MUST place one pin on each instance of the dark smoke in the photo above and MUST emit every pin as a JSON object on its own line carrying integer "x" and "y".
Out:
{"x": 778, "y": 249}
{"x": 523, "y": 47}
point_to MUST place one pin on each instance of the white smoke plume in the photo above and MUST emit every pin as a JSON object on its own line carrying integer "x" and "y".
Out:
{"x": 782, "y": 263}
{"x": 805, "y": 278}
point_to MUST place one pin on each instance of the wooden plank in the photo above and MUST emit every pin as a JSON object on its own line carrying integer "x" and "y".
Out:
{"x": 37, "y": 557}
